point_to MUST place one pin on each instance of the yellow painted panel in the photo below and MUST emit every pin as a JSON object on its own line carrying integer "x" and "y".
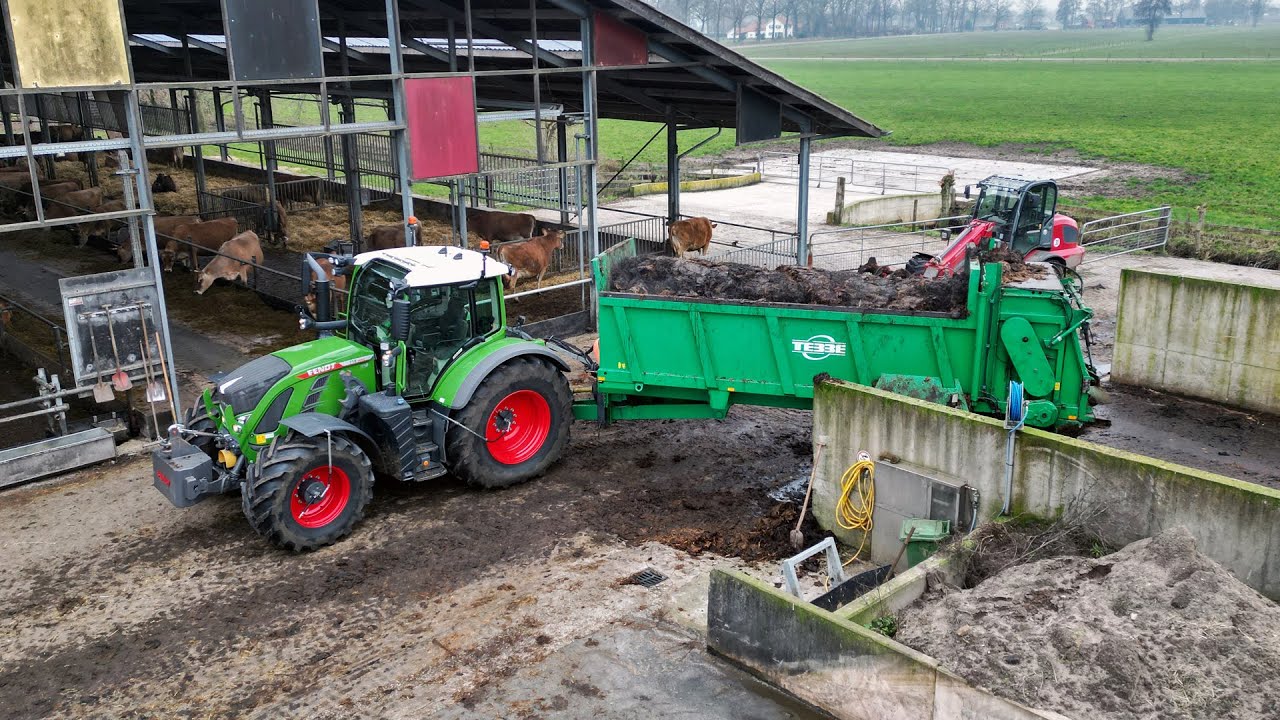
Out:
{"x": 67, "y": 44}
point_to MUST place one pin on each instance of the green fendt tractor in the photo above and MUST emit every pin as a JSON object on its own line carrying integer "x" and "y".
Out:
{"x": 426, "y": 378}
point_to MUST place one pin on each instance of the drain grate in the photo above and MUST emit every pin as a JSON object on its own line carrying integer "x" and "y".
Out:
{"x": 647, "y": 577}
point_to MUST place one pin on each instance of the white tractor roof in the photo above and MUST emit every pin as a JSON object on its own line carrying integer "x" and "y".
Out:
{"x": 430, "y": 265}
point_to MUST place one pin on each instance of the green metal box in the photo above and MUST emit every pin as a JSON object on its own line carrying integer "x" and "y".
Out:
{"x": 664, "y": 357}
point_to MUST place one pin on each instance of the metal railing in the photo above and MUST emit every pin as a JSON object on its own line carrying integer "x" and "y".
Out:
{"x": 42, "y": 328}
{"x": 1122, "y": 234}
{"x": 522, "y": 181}
{"x": 882, "y": 176}
{"x": 890, "y": 244}
{"x": 102, "y": 114}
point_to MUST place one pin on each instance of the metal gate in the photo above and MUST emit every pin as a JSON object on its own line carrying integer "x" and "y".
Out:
{"x": 1120, "y": 234}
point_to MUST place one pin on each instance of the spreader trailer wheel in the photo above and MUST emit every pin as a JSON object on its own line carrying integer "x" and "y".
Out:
{"x": 515, "y": 426}
{"x": 307, "y": 492}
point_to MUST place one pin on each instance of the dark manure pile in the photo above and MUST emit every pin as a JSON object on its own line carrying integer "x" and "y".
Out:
{"x": 862, "y": 288}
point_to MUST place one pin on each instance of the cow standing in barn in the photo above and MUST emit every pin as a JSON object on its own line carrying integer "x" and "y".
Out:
{"x": 689, "y": 235}
{"x": 388, "y": 237}
{"x": 337, "y": 287}
{"x": 232, "y": 262}
{"x": 209, "y": 235}
{"x": 165, "y": 226}
{"x": 497, "y": 226}
{"x": 530, "y": 258}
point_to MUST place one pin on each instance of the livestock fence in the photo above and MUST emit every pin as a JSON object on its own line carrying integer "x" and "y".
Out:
{"x": 889, "y": 244}
{"x": 1122, "y": 234}
{"x": 875, "y": 175}
{"x": 523, "y": 181}
{"x": 88, "y": 112}
{"x": 730, "y": 241}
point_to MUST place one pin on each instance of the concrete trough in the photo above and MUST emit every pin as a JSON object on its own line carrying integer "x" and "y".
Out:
{"x": 55, "y": 455}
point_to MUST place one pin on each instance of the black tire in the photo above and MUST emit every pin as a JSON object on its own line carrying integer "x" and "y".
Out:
{"x": 199, "y": 420}
{"x": 472, "y": 458}
{"x": 285, "y": 471}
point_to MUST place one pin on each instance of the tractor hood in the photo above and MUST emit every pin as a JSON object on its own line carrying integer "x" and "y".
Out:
{"x": 245, "y": 387}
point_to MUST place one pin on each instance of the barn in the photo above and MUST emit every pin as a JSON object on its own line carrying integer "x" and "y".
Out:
{"x": 312, "y": 123}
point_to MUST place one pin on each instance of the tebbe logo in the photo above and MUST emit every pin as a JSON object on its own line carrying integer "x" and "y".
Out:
{"x": 818, "y": 347}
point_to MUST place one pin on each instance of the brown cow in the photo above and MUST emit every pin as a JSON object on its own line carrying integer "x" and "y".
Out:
{"x": 232, "y": 261}
{"x": 165, "y": 225}
{"x": 385, "y": 237}
{"x": 208, "y": 235}
{"x": 85, "y": 230}
{"x": 163, "y": 184}
{"x": 498, "y": 226}
{"x": 691, "y": 234}
{"x": 52, "y": 191}
{"x": 73, "y": 203}
{"x": 337, "y": 283}
{"x": 531, "y": 256}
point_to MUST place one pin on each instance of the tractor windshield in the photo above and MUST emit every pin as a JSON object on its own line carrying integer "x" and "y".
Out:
{"x": 370, "y": 304}
{"x": 997, "y": 203}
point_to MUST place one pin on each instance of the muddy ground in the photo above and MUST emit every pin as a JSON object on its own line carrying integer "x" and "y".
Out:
{"x": 1155, "y": 630}
{"x": 115, "y": 604}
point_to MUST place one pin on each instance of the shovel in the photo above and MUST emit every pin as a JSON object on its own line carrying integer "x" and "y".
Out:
{"x": 151, "y": 387}
{"x": 119, "y": 379}
{"x": 102, "y": 392}
{"x": 155, "y": 391}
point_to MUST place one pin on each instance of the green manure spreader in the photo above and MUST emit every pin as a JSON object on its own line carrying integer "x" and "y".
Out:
{"x": 421, "y": 375}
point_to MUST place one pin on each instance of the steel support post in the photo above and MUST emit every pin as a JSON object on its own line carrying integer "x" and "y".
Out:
{"x": 562, "y": 156}
{"x": 589, "y": 125}
{"x": 802, "y": 205}
{"x": 400, "y": 138}
{"x": 134, "y": 117}
{"x": 673, "y": 168}
{"x": 269, "y": 157}
{"x": 197, "y": 150}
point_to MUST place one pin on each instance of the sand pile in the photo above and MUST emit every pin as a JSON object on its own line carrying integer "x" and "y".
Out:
{"x": 1155, "y": 630}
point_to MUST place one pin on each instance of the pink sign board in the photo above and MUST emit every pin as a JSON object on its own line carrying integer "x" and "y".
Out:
{"x": 442, "y": 127}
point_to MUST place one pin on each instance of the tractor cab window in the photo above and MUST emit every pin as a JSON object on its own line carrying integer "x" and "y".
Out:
{"x": 369, "y": 314}
{"x": 1037, "y": 210}
{"x": 442, "y": 321}
{"x": 998, "y": 204}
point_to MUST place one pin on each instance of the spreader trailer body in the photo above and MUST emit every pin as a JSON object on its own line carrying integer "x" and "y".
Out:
{"x": 663, "y": 357}
{"x": 420, "y": 375}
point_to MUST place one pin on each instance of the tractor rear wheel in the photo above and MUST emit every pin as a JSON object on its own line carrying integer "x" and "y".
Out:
{"x": 523, "y": 410}
{"x": 303, "y": 493}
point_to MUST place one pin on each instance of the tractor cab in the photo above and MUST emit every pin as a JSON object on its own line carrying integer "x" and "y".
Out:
{"x": 1020, "y": 210}
{"x": 453, "y": 301}
{"x": 1015, "y": 213}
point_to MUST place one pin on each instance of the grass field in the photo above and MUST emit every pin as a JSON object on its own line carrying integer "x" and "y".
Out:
{"x": 1169, "y": 42}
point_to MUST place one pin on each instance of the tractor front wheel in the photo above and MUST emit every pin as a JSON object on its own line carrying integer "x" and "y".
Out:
{"x": 307, "y": 492}
{"x": 514, "y": 428}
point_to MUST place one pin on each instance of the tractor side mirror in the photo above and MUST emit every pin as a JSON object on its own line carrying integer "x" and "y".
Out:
{"x": 400, "y": 319}
{"x": 966, "y": 192}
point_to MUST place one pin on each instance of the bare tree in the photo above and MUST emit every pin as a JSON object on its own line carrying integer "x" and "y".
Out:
{"x": 1257, "y": 8}
{"x": 1068, "y": 11}
{"x": 1001, "y": 11}
{"x": 1030, "y": 13}
{"x": 1151, "y": 13}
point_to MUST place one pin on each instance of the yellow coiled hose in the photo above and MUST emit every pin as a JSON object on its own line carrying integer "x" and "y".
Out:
{"x": 857, "y": 501}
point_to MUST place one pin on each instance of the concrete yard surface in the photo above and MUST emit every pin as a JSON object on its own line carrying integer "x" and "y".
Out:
{"x": 445, "y": 602}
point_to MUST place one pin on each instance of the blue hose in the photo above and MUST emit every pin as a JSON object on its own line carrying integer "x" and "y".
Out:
{"x": 1013, "y": 410}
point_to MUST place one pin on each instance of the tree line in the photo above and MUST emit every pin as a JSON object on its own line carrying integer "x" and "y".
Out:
{"x": 862, "y": 18}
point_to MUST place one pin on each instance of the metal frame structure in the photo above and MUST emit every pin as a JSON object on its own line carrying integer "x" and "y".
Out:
{"x": 532, "y": 59}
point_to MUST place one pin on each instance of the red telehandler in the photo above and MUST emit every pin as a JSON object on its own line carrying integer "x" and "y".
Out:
{"x": 1016, "y": 213}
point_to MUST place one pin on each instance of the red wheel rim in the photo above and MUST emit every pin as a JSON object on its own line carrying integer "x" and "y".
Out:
{"x": 518, "y": 426}
{"x": 320, "y": 496}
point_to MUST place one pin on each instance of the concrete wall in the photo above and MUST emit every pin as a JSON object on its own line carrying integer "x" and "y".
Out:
{"x": 889, "y": 209}
{"x": 837, "y": 665}
{"x": 720, "y": 183}
{"x": 1235, "y": 523}
{"x": 1203, "y": 338}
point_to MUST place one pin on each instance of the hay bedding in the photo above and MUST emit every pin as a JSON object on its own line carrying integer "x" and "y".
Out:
{"x": 696, "y": 278}
{"x": 1156, "y": 630}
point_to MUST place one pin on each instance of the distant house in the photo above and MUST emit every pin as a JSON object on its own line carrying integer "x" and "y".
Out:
{"x": 774, "y": 29}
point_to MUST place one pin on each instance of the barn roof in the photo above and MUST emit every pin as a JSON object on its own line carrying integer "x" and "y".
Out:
{"x": 688, "y": 76}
